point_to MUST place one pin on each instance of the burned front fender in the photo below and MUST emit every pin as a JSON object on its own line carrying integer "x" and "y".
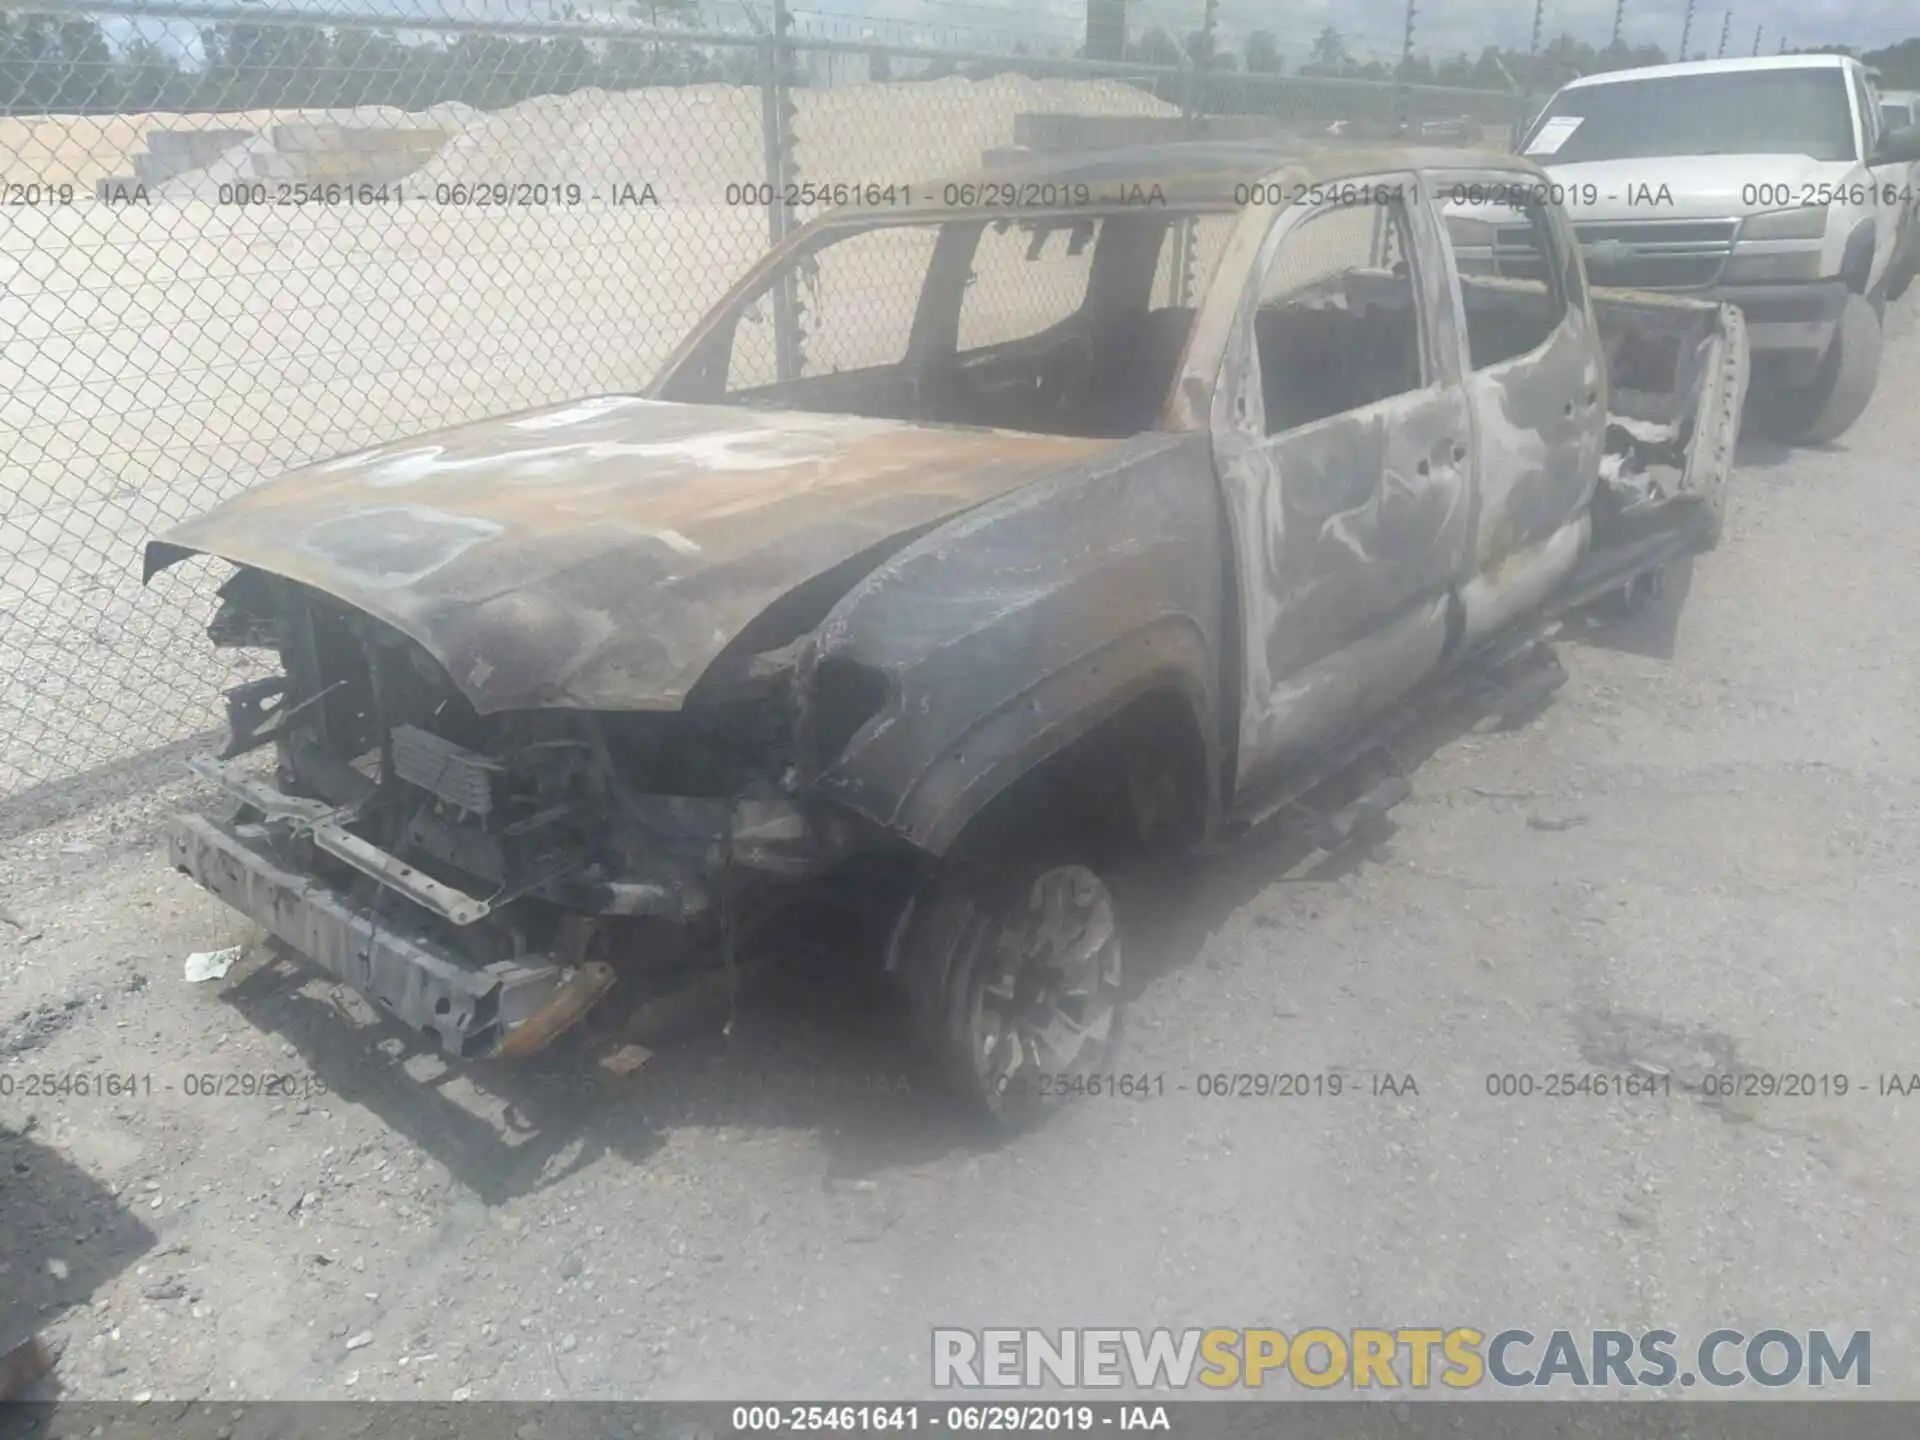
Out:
{"x": 994, "y": 641}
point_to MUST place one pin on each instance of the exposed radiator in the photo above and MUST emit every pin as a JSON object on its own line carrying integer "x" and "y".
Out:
{"x": 451, "y": 772}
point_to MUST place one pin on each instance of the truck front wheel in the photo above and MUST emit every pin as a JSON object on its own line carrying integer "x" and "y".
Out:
{"x": 1826, "y": 408}
{"x": 1014, "y": 979}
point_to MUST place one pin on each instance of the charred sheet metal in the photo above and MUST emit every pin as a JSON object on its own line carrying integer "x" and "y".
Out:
{"x": 1003, "y": 635}
{"x": 1726, "y": 374}
{"x": 1340, "y": 530}
{"x": 599, "y": 555}
{"x": 1679, "y": 367}
{"x": 1540, "y": 423}
{"x": 1349, "y": 530}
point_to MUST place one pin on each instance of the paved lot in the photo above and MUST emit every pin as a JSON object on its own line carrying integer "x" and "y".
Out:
{"x": 1702, "y": 855}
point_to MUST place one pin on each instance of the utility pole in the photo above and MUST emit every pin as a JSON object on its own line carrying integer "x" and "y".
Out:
{"x": 1106, "y": 29}
{"x": 1400, "y": 97}
{"x": 1686, "y": 30}
{"x": 1756, "y": 38}
{"x": 1619, "y": 20}
{"x": 1533, "y": 65}
{"x": 1726, "y": 25}
{"x": 1533, "y": 46}
{"x": 1783, "y": 46}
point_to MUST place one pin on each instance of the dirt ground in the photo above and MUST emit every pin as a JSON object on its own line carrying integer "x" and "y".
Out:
{"x": 1704, "y": 854}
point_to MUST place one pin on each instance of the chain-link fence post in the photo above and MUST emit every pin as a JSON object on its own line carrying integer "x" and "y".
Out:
{"x": 776, "y": 121}
{"x": 1530, "y": 82}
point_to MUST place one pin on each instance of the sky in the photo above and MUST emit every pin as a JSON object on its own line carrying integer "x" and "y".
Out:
{"x": 1373, "y": 28}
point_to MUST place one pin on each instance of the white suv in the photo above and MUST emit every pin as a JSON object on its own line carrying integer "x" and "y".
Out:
{"x": 1767, "y": 183}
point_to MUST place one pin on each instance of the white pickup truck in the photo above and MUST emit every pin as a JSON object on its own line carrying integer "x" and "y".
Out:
{"x": 1771, "y": 184}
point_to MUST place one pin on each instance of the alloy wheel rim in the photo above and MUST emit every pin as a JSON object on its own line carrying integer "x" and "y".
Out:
{"x": 1049, "y": 1007}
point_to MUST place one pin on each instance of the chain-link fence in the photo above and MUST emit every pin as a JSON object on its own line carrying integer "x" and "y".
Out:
{"x": 237, "y": 238}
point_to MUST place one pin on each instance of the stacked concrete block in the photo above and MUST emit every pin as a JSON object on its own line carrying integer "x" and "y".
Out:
{"x": 175, "y": 152}
{"x": 354, "y": 155}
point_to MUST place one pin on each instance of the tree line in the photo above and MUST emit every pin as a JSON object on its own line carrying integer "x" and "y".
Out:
{"x": 67, "y": 66}
{"x": 1557, "y": 61}
{"x": 64, "y": 65}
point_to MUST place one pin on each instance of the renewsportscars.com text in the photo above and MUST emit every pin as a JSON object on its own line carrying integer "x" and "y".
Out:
{"x": 1418, "y": 1358}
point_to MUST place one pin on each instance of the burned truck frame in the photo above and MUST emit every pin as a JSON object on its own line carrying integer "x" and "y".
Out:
{"x": 1132, "y": 506}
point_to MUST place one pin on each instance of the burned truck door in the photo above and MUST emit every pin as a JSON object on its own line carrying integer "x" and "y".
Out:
{"x": 1536, "y": 378}
{"x": 1342, "y": 440}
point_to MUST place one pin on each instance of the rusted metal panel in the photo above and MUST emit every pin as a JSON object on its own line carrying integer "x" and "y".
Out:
{"x": 599, "y": 555}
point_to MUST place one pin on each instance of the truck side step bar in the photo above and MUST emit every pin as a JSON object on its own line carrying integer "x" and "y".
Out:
{"x": 1331, "y": 830}
{"x": 1489, "y": 675}
{"x": 1518, "y": 689}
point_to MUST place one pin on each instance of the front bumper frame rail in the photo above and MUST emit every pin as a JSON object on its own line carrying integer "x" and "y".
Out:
{"x": 504, "y": 1009}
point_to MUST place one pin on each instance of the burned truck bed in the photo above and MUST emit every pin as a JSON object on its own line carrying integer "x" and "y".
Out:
{"x": 1677, "y": 374}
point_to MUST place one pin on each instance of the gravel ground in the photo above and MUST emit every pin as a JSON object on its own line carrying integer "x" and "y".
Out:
{"x": 1701, "y": 855}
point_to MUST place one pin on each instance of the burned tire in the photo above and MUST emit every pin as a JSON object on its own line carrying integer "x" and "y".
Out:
{"x": 1826, "y": 409}
{"x": 1014, "y": 980}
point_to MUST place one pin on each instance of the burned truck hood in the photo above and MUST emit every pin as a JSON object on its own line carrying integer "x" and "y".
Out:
{"x": 600, "y": 555}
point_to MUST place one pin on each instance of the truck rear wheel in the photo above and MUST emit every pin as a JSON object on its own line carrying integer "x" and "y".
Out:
{"x": 1841, "y": 388}
{"x": 1014, "y": 980}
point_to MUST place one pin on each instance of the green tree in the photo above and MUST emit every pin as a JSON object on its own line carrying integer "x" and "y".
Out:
{"x": 54, "y": 65}
{"x": 1156, "y": 47}
{"x": 260, "y": 66}
{"x": 1263, "y": 54}
{"x": 1899, "y": 64}
{"x": 150, "y": 79}
{"x": 1329, "y": 55}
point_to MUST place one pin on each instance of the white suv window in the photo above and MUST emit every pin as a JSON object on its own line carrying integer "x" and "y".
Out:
{"x": 1869, "y": 102}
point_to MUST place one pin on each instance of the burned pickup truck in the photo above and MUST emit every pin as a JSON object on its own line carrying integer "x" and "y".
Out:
{"x": 957, "y": 546}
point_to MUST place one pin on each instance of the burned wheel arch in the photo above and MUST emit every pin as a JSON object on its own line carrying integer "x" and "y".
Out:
{"x": 1000, "y": 639}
